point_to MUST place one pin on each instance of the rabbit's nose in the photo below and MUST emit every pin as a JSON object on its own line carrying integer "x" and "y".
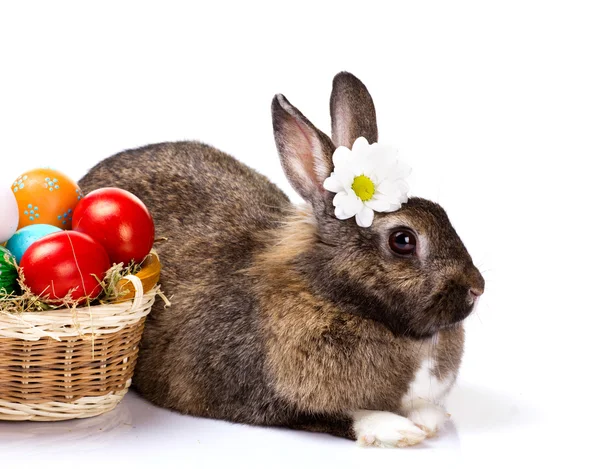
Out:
{"x": 476, "y": 287}
{"x": 475, "y": 293}
{"x": 476, "y": 284}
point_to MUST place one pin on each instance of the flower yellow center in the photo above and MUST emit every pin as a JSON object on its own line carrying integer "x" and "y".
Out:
{"x": 363, "y": 187}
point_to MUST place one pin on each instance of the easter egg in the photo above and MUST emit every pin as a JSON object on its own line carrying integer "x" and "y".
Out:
{"x": 26, "y": 236}
{"x": 65, "y": 262}
{"x": 9, "y": 214}
{"x": 46, "y": 196}
{"x": 119, "y": 221}
{"x": 8, "y": 272}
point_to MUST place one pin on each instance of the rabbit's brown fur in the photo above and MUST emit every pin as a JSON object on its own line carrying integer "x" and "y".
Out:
{"x": 285, "y": 315}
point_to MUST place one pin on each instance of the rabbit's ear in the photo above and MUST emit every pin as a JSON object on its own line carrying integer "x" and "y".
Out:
{"x": 304, "y": 150}
{"x": 352, "y": 111}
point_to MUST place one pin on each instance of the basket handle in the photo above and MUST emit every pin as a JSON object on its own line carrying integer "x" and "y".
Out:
{"x": 139, "y": 291}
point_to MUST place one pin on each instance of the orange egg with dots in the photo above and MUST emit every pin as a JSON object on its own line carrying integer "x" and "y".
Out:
{"x": 46, "y": 196}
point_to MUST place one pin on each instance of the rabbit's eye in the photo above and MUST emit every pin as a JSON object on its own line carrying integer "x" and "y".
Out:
{"x": 403, "y": 242}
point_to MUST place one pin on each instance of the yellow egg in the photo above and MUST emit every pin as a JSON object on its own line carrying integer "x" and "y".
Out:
{"x": 46, "y": 196}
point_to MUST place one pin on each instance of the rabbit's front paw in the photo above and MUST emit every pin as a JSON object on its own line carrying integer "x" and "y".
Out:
{"x": 428, "y": 417}
{"x": 385, "y": 429}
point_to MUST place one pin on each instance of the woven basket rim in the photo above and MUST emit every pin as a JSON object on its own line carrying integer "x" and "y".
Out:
{"x": 79, "y": 321}
{"x": 67, "y": 313}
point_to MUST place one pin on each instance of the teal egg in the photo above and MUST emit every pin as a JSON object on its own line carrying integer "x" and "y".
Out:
{"x": 8, "y": 272}
{"x": 26, "y": 236}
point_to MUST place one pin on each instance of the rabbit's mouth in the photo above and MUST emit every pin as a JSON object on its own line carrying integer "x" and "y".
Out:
{"x": 445, "y": 324}
{"x": 460, "y": 316}
{"x": 449, "y": 308}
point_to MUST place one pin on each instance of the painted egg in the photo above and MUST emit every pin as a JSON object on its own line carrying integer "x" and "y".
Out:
{"x": 119, "y": 221}
{"x": 9, "y": 214}
{"x": 46, "y": 196}
{"x": 65, "y": 262}
{"x": 8, "y": 272}
{"x": 26, "y": 236}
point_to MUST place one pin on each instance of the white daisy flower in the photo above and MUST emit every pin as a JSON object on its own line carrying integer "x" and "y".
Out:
{"x": 367, "y": 179}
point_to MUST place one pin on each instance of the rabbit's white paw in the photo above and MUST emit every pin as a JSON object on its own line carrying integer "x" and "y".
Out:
{"x": 385, "y": 429}
{"x": 428, "y": 417}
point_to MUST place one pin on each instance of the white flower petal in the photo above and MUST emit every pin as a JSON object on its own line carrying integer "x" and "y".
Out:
{"x": 361, "y": 147}
{"x": 392, "y": 187}
{"x": 386, "y": 187}
{"x": 340, "y": 214}
{"x": 347, "y": 203}
{"x": 364, "y": 165}
{"x": 402, "y": 186}
{"x": 364, "y": 218}
{"x": 346, "y": 176}
{"x": 339, "y": 198}
{"x": 395, "y": 206}
{"x": 378, "y": 204}
{"x": 342, "y": 157}
{"x": 356, "y": 204}
{"x": 333, "y": 183}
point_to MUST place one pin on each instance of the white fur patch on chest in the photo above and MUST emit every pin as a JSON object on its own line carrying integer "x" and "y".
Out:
{"x": 426, "y": 386}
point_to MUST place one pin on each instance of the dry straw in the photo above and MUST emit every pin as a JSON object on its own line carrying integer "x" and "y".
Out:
{"x": 65, "y": 361}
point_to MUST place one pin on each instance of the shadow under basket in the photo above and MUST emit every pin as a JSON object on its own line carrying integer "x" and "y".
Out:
{"x": 74, "y": 363}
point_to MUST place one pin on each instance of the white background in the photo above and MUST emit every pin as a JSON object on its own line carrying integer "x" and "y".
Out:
{"x": 497, "y": 107}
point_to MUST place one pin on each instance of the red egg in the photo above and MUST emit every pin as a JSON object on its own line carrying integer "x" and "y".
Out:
{"x": 62, "y": 262}
{"x": 119, "y": 221}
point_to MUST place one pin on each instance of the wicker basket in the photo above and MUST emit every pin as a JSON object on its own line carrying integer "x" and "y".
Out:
{"x": 73, "y": 363}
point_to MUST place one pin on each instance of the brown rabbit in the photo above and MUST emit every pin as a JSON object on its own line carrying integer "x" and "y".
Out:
{"x": 286, "y": 315}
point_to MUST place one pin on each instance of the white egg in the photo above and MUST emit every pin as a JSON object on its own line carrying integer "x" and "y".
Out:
{"x": 9, "y": 214}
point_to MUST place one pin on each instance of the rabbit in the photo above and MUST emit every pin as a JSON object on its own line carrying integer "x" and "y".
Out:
{"x": 285, "y": 315}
